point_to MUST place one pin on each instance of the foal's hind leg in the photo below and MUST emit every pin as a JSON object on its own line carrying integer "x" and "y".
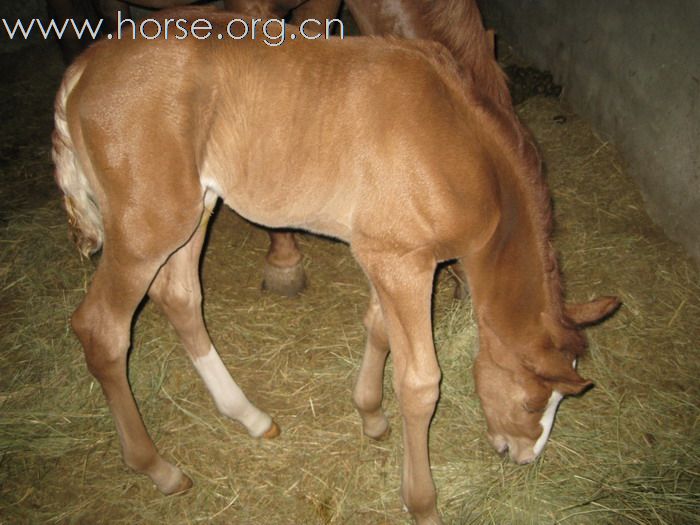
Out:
{"x": 177, "y": 291}
{"x": 283, "y": 272}
{"x": 102, "y": 323}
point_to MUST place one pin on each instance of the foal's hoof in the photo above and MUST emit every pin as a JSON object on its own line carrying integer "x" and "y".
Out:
{"x": 380, "y": 436}
{"x": 284, "y": 281}
{"x": 185, "y": 485}
{"x": 167, "y": 477}
{"x": 375, "y": 425}
{"x": 272, "y": 432}
{"x": 182, "y": 484}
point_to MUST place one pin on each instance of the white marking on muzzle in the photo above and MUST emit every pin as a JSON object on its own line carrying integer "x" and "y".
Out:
{"x": 228, "y": 397}
{"x": 547, "y": 421}
{"x": 548, "y": 417}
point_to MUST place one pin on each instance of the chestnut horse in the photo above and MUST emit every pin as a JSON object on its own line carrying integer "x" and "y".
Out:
{"x": 399, "y": 153}
{"x": 454, "y": 23}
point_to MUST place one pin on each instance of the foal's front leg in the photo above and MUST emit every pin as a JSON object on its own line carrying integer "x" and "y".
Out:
{"x": 177, "y": 291}
{"x": 404, "y": 287}
{"x": 368, "y": 391}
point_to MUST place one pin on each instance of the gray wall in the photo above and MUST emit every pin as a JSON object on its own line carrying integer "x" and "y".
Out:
{"x": 633, "y": 68}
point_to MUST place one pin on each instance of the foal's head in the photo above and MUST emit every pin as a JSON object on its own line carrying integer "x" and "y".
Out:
{"x": 521, "y": 383}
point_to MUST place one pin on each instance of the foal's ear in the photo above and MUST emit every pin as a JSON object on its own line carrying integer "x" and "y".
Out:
{"x": 551, "y": 364}
{"x": 584, "y": 314}
{"x": 552, "y": 367}
{"x": 573, "y": 388}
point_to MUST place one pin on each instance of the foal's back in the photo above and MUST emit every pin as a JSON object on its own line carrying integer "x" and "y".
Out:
{"x": 330, "y": 136}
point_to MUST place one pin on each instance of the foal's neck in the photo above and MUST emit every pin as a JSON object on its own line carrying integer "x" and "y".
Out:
{"x": 514, "y": 278}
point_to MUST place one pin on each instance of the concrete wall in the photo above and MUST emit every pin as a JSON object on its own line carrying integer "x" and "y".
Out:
{"x": 633, "y": 68}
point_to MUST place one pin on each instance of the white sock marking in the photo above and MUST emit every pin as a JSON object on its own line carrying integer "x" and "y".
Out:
{"x": 228, "y": 397}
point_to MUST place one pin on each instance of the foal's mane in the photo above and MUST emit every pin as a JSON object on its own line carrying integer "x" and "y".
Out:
{"x": 458, "y": 25}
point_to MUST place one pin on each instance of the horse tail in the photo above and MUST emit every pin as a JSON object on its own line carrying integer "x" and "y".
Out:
{"x": 84, "y": 217}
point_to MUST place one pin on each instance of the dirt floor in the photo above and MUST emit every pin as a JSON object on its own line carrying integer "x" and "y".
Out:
{"x": 628, "y": 451}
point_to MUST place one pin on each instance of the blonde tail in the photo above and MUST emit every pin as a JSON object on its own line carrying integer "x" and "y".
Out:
{"x": 84, "y": 215}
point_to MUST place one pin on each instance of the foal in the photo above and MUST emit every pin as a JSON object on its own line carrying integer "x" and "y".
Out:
{"x": 384, "y": 146}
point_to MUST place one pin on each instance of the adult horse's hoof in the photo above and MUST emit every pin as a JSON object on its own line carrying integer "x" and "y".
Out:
{"x": 284, "y": 281}
{"x": 272, "y": 432}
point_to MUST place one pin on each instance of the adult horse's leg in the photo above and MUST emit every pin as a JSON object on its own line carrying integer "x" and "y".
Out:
{"x": 102, "y": 323}
{"x": 368, "y": 391}
{"x": 177, "y": 291}
{"x": 397, "y": 18}
{"x": 404, "y": 287}
{"x": 262, "y": 8}
{"x": 159, "y": 4}
{"x": 459, "y": 275}
{"x": 110, "y": 10}
{"x": 283, "y": 272}
{"x": 320, "y": 10}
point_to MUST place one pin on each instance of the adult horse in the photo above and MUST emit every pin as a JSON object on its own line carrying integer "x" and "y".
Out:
{"x": 418, "y": 165}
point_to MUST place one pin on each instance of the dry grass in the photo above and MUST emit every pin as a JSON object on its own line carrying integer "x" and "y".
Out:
{"x": 626, "y": 452}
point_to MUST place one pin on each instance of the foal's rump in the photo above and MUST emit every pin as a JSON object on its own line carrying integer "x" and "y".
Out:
{"x": 130, "y": 128}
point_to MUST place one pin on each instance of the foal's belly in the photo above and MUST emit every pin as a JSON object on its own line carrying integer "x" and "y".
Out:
{"x": 302, "y": 203}
{"x": 315, "y": 221}
{"x": 284, "y": 174}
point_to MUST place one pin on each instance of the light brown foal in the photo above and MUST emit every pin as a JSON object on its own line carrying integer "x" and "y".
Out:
{"x": 384, "y": 144}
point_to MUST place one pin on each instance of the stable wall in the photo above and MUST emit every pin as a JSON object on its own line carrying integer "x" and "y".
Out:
{"x": 633, "y": 68}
